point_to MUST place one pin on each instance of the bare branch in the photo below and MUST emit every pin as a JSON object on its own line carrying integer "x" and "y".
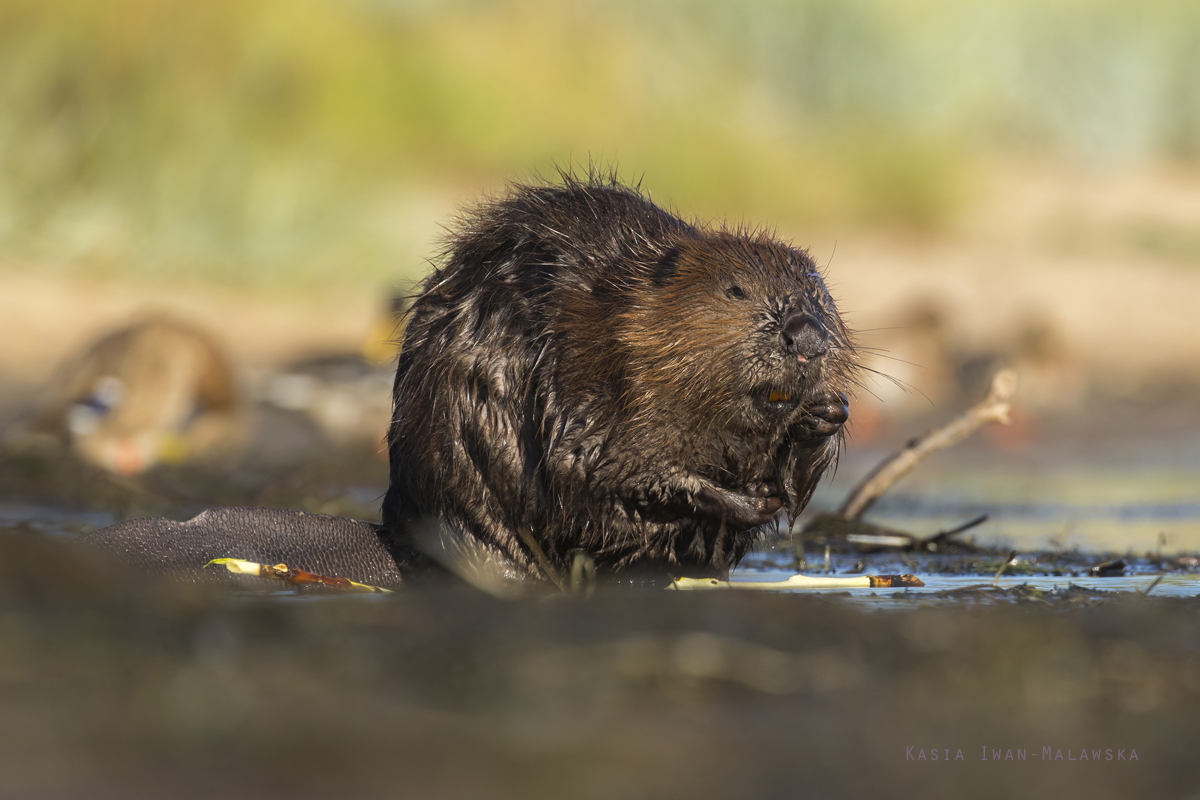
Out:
{"x": 994, "y": 408}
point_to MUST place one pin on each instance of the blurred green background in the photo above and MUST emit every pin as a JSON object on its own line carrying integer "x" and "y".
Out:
{"x": 295, "y": 142}
{"x": 1006, "y": 183}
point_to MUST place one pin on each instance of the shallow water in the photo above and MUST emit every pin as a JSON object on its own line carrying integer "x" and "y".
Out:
{"x": 1108, "y": 510}
{"x": 1168, "y": 586}
{"x": 1071, "y": 490}
{"x": 52, "y": 520}
{"x": 1068, "y": 492}
{"x": 770, "y": 565}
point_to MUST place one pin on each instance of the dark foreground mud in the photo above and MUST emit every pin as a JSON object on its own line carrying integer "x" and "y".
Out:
{"x": 113, "y": 686}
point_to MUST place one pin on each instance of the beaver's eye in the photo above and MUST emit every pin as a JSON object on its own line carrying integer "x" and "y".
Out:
{"x": 736, "y": 293}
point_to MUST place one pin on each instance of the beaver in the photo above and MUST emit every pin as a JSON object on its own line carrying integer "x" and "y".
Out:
{"x": 585, "y": 371}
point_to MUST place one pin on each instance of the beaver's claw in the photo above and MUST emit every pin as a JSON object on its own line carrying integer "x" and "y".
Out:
{"x": 826, "y": 415}
{"x": 739, "y": 511}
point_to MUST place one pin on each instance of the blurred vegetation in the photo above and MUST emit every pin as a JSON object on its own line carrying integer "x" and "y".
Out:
{"x": 263, "y": 140}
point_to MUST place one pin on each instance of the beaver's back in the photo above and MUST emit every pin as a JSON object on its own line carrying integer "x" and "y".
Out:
{"x": 483, "y": 324}
{"x": 580, "y": 236}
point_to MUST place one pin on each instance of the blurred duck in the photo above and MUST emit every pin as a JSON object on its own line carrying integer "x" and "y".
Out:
{"x": 930, "y": 367}
{"x": 158, "y": 391}
{"x": 348, "y": 396}
{"x": 382, "y": 343}
{"x": 915, "y": 358}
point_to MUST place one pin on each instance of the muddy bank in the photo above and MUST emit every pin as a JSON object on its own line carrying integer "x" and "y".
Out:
{"x": 115, "y": 687}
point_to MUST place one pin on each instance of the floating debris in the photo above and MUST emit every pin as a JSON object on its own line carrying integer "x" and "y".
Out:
{"x": 803, "y": 582}
{"x": 296, "y": 577}
{"x": 867, "y": 537}
{"x": 1109, "y": 568}
{"x": 1011, "y": 558}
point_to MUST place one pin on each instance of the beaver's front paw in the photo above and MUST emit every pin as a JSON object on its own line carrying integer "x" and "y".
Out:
{"x": 739, "y": 511}
{"x": 826, "y": 415}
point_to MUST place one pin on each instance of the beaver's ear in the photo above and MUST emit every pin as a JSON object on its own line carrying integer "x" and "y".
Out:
{"x": 666, "y": 267}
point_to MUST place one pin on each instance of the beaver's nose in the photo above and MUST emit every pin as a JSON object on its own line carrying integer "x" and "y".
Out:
{"x": 803, "y": 337}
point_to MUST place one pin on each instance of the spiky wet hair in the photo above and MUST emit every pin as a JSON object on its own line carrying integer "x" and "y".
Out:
{"x": 581, "y": 360}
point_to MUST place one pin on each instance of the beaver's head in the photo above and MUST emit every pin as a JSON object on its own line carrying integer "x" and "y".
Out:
{"x": 739, "y": 328}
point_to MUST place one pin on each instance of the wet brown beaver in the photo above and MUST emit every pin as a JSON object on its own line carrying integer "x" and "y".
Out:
{"x": 585, "y": 371}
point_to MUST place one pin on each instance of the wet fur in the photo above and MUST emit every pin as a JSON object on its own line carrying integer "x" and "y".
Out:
{"x": 581, "y": 370}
